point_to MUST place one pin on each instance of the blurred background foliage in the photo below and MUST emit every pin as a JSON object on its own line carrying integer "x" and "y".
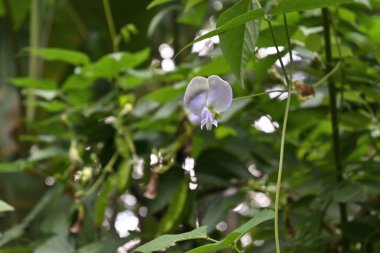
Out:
{"x": 98, "y": 155}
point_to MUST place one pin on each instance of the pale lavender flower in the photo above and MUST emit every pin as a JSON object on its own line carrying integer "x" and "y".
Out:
{"x": 207, "y": 98}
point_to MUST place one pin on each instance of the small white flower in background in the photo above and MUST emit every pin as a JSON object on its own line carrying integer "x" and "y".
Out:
{"x": 207, "y": 98}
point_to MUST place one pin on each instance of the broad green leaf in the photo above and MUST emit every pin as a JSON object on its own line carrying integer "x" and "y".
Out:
{"x": 58, "y": 54}
{"x": 286, "y": 6}
{"x": 26, "y": 82}
{"x": 5, "y": 207}
{"x": 238, "y": 44}
{"x": 235, "y": 235}
{"x": 155, "y": 3}
{"x": 165, "y": 241}
{"x": 234, "y": 22}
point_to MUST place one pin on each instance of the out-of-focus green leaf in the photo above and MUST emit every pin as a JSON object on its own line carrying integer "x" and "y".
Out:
{"x": 191, "y": 3}
{"x": 155, "y": 3}
{"x": 96, "y": 247}
{"x": 18, "y": 230}
{"x": 347, "y": 191}
{"x": 15, "y": 166}
{"x": 58, "y": 54}
{"x": 176, "y": 208}
{"x": 56, "y": 244}
{"x": 235, "y": 235}
{"x": 215, "y": 163}
{"x": 103, "y": 199}
{"x": 19, "y": 249}
{"x": 4, "y": 207}
{"x": 34, "y": 83}
{"x": 219, "y": 207}
{"x": 165, "y": 94}
{"x": 286, "y": 6}
{"x": 238, "y": 44}
{"x": 111, "y": 65}
{"x": 165, "y": 241}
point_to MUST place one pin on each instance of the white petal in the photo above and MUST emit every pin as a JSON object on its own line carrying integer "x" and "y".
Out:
{"x": 196, "y": 95}
{"x": 220, "y": 94}
{"x": 208, "y": 119}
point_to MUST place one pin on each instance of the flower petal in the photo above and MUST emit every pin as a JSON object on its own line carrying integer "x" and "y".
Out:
{"x": 208, "y": 119}
{"x": 196, "y": 95}
{"x": 220, "y": 94}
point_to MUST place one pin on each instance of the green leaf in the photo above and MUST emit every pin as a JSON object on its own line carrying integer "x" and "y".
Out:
{"x": 58, "y": 54}
{"x": 191, "y": 3}
{"x": 234, "y": 22}
{"x": 17, "y": 249}
{"x": 165, "y": 241}
{"x": 34, "y": 83}
{"x": 155, "y": 3}
{"x": 18, "y": 230}
{"x": 4, "y": 207}
{"x": 286, "y": 6}
{"x": 176, "y": 208}
{"x": 238, "y": 44}
{"x": 15, "y": 166}
{"x": 235, "y": 235}
{"x": 103, "y": 199}
{"x": 112, "y": 65}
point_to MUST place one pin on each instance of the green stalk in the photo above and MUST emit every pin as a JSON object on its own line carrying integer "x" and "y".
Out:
{"x": 290, "y": 48}
{"x": 33, "y": 71}
{"x": 283, "y": 133}
{"x": 280, "y": 168}
{"x": 288, "y": 82}
{"x": 334, "y": 118}
{"x": 111, "y": 25}
{"x": 258, "y": 94}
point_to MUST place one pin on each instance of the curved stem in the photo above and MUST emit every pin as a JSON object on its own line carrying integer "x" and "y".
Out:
{"x": 258, "y": 94}
{"x": 328, "y": 75}
{"x": 111, "y": 25}
{"x": 280, "y": 167}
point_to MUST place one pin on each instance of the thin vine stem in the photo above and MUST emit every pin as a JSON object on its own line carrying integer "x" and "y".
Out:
{"x": 111, "y": 25}
{"x": 283, "y": 133}
{"x": 280, "y": 168}
{"x": 291, "y": 70}
{"x": 258, "y": 94}
{"x": 288, "y": 82}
